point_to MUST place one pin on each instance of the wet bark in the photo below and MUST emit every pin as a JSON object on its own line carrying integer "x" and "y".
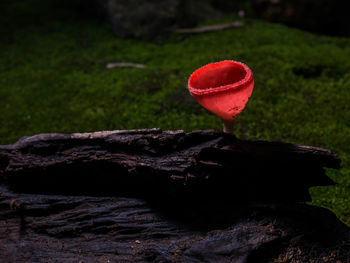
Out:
{"x": 164, "y": 196}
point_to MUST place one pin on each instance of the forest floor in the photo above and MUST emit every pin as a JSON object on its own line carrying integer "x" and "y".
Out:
{"x": 53, "y": 78}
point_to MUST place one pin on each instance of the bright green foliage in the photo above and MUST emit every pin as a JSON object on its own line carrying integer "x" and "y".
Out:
{"x": 53, "y": 79}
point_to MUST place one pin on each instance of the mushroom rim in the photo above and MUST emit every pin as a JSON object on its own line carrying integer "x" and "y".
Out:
{"x": 237, "y": 85}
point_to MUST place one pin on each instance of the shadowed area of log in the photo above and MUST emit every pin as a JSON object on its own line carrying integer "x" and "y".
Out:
{"x": 151, "y": 163}
{"x": 164, "y": 196}
{"x": 40, "y": 228}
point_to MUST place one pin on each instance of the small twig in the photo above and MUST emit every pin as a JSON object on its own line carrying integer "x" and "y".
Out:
{"x": 124, "y": 65}
{"x": 206, "y": 29}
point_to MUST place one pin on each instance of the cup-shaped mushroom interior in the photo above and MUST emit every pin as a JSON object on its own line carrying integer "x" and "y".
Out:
{"x": 218, "y": 75}
{"x": 223, "y": 88}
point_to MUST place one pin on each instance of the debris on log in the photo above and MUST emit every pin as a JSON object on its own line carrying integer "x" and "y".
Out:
{"x": 165, "y": 196}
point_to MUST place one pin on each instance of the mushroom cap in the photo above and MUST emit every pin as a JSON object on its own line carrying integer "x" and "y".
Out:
{"x": 222, "y": 88}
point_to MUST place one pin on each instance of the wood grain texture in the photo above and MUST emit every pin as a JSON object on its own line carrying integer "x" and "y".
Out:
{"x": 164, "y": 196}
{"x": 163, "y": 163}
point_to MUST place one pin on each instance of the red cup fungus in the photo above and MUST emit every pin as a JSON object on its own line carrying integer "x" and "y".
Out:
{"x": 222, "y": 88}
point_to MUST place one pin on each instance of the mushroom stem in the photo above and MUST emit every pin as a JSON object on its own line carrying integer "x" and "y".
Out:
{"x": 228, "y": 126}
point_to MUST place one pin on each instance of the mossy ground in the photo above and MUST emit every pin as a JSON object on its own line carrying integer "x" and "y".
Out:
{"x": 53, "y": 79}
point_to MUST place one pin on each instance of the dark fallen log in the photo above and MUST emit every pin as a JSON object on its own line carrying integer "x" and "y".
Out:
{"x": 57, "y": 228}
{"x": 158, "y": 163}
{"x": 154, "y": 196}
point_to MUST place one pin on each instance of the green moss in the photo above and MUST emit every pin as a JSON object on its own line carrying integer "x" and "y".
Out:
{"x": 53, "y": 79}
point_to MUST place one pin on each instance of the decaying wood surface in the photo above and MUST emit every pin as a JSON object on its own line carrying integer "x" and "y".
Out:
{"x": 164, "y": 196}
{"x": 158, "y": 163}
